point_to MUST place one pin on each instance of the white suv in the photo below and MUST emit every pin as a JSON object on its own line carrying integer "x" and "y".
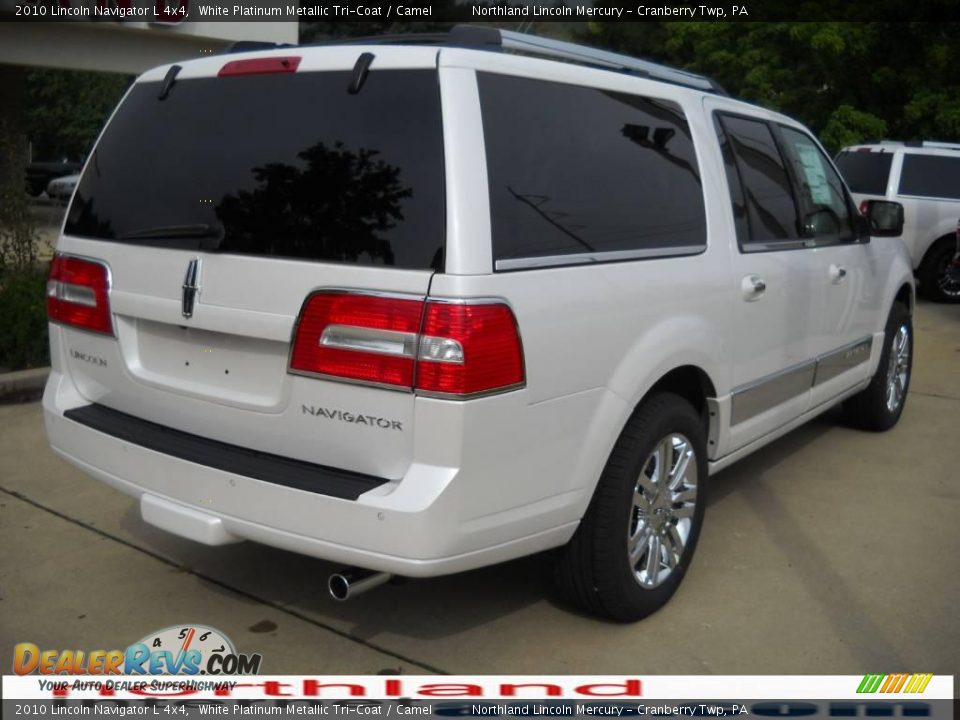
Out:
{"x": 924, "y": 177}
{"x": 423, "y": 308}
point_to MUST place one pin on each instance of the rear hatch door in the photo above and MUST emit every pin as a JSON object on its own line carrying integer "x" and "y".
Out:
{"x": 223, "y": 195}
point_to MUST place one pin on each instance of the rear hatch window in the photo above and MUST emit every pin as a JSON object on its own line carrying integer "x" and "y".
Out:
{"x": 286, "y": 166}
{"x": 865, "y": 172}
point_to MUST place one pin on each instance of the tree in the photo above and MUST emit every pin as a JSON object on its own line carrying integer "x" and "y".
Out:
{"x": 66, "y": 110}
{"x": 849, "y": 81}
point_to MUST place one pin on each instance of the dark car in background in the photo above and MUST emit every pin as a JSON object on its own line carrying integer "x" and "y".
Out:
{"x": 39, "y": 174}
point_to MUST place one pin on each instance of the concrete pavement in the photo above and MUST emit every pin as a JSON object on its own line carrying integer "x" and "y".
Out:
{"x": 829, "y": 551}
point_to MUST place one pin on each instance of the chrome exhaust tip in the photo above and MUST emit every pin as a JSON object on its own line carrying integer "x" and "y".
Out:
{"x": 350, "y": 582}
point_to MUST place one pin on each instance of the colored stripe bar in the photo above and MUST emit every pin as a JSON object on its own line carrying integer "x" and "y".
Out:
{"x": 926, "y": 681}
{"x": 870, "y": 683}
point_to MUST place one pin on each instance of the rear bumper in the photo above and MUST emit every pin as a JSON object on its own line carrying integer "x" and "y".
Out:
{"x": 233, "y": 459}
{"x": 421, "y": 525}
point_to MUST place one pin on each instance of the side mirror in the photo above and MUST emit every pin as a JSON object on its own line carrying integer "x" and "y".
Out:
{"x": 885, "y": 218}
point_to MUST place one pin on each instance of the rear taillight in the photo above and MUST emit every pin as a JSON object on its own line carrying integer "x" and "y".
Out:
{"x": 78, "y": 294}
{"x": 452, "y": 349}
{"x": 864, "y": 206}
{"x": 469, "y": 348}
{"x": 358, "y": 337}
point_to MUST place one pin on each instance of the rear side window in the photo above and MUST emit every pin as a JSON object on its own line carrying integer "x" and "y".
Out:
{"x": 865, "y": 172}
{"x": 932, "y": 176}
{"x": 285, "y": 165}
{"x": 578, "y": 174}
{"x": 755, "y": 166}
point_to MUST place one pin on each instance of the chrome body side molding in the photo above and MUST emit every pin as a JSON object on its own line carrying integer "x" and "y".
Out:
{"x": 757, "y": 397}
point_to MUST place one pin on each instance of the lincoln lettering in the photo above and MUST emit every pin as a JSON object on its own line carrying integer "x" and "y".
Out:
{"x": 356, "y": 418}
{"x": 92, "y": 359}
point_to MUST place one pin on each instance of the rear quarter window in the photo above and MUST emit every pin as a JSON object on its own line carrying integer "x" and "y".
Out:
{"x": 934, "y": 176}
{"x": 578, "y": 174}
{"x": 289, "y": 166}
{"x": 866, "y": 172}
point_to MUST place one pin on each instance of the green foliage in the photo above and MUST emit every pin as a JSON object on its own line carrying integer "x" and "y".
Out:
{"x": 17, "y": 231}
{"x": 66, "y": 110}
{"x": 846, "y": 80}
{"x": 23, "y": 321}
{"x": 849, "y": 126}
{"x": 23, "y": 316}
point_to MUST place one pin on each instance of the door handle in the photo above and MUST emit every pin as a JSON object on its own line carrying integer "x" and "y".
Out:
{"x": 753, "y": 286}
{"x": 837, "y": 274}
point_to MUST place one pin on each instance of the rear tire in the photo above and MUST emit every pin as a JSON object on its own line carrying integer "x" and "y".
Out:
{"x": 636, "y": 540}
{"x": 935, "y": 282}
{"x": 879, "y": 406}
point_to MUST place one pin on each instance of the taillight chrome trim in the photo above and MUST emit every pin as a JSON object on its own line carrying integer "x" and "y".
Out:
{"x": 88, "y": 299}
{"x": 436, "y": 395}
{"x": 79, "y": 328}
{"x": 350, "y": 381}
{"x": 371, "y": 340}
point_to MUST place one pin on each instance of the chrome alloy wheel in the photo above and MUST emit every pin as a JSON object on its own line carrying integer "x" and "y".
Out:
{"x": 661, "y": 518}
{"x": 898, "y": 367}
{"x": 948, "y": 277}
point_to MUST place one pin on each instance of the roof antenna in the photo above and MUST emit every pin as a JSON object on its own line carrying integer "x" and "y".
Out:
{"x": 168, "y": 81}
{"x": 360, "y": 72}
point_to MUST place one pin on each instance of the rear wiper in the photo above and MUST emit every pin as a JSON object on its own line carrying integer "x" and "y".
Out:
{"x": 199, "y": 230}
{"x": 168, "y": 80}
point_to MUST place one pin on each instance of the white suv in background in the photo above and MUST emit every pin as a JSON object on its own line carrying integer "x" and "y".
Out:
{"x": 924, "y": 177}
{"x": 420, "y": 308}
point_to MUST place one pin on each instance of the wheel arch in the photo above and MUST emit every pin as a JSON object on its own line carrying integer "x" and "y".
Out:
{"x": 693, "y": 384}
{"x": 905, "y": 296}
{"x": 685, "y": 355}
{"x": 690, "y": 380}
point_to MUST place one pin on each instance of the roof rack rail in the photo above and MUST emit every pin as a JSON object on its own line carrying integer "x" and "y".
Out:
{"x": 491, "y": 38}
{"x": 547, "y": 47}
{"x": 240, "y": 46}
{"x": 937, "y": 145}
{"x": 932, "y": 145}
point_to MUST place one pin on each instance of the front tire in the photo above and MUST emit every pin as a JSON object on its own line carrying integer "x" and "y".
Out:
{"x": 879, "y": 406}
{"x": 637, "y": 538}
